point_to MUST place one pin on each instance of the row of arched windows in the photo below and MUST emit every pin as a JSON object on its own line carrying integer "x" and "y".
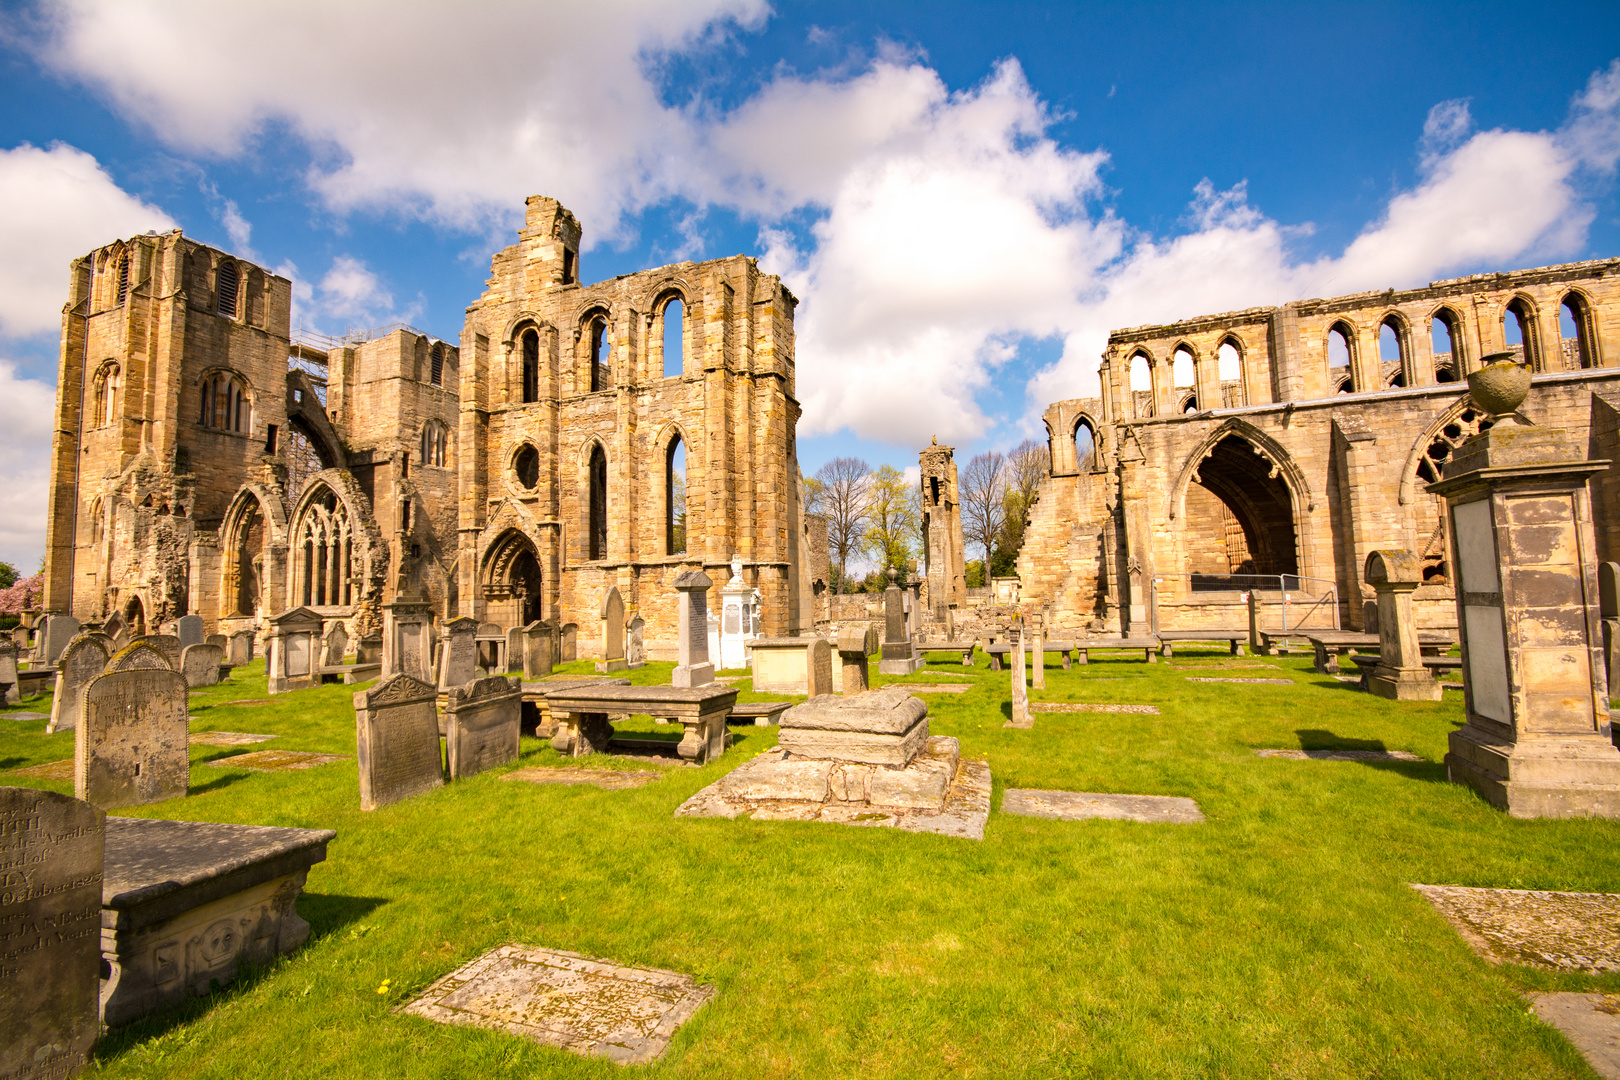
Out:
{"x": 435, "y": 439}
{"x": 597, "y": 361}
{"x": 525, "y": 465}
{"x": 223, "y": 403}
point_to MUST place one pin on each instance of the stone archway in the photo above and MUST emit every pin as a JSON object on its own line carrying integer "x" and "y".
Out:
{"x": 1239, "y": 516}
{"x": 512, "y": 584}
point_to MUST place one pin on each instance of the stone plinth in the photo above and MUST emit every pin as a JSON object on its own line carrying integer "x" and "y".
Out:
{"x": 856, "y": 642}
{"x": 1537, "y": 741}
{"x": 899, "y": 656}
{"x": 1400, "y": 674}
{"x": 880, "y": 727}
{"x": 693, "y": 666}
{"x": 407, "y": 645}
{"x": 292, "y": 651}
{"x": 791, "y": 666}
{"x": 185, "y": 902}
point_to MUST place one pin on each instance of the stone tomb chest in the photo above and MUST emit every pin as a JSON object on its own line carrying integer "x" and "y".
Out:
{"x": 292, "y": 650}
{"x": 791, "y": 666}
{"x": 881, "y": 727}
{"x": 184, "y": 902}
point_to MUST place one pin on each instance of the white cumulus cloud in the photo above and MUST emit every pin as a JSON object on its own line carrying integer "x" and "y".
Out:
{"x": 25, "y": 444}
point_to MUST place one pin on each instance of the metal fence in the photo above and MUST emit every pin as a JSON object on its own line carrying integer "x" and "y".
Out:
{"x": 1298, "y": 598}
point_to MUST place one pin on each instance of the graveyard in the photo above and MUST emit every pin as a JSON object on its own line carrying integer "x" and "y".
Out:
{"x": 1278, "y": 935}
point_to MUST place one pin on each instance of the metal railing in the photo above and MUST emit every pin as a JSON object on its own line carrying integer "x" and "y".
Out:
{"x": 1297, "y": 592}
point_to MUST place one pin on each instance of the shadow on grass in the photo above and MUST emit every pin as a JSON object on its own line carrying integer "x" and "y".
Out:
{"x": 12, "y": 763}
{"x": 328, "y": 913}
{"x": 217, "y": 783}
{"x": 1322, "y": 739}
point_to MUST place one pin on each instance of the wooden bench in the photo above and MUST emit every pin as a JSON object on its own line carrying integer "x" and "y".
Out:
{"x": 580, "y": 715}
{"x": 1235, "y": 640}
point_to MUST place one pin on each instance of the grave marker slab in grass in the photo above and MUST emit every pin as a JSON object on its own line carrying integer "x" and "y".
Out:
{"x": 1590, "y": 1021}
{"x": 1341, "y": 755}
{"x": 591, "y": 1007}
{"x": 28, "y": 716}
{"x": 606, "y": 779}
{"x": 1266, "y": 682}
{"x": 227, "y": 738}
{"x": 1077, "y": 707}
{"x": 1561, "y": 931}
{"x": 1083, "y": 805}
{"x": 276, "y": 760}
{"x": 51, "y": 770}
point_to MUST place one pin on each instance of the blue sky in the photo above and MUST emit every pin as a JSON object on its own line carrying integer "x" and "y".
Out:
{"x": 965, "y": 198}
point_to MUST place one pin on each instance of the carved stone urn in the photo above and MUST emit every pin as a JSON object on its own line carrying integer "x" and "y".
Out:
{"x": 1500, "y": 385}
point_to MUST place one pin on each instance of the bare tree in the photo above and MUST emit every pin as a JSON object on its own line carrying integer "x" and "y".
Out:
{"x": 1028, "y": 464}
{"x": 846, "y": 501}
{"x": 984, "y": 489}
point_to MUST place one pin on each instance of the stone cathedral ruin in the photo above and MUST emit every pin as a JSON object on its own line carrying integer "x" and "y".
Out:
{"x": 208, "y": 460}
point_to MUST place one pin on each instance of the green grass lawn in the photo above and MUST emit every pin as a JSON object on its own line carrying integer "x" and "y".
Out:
{"x": 1279, "y": 939}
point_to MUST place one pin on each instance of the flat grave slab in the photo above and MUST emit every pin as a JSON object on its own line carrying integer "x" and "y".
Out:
{"x": 937, "y": 793}
{"x": 276, "y": 760}
{"x": 1266, "y": 682}
{"x": 1341, "y": 755}
{"x": 606, "y": 779}
{"x": 1590, "y": 1021}
{"x": 227, "y": 738}
{"x": 934, "y": 688}
{"x": 1560, "y": 931}
{"x": 51, "y": 770}
{"x": 247, "y": 702}
{"x": 562, "y": 999}
{"x": 1076, "y": 706}
{"x": 1083, "y": 805}
{"x": 28, "y": 716}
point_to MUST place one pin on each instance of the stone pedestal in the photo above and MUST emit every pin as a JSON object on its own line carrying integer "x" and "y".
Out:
{"x": 693, "y": 667}
{"x": 1537, "y": 741}
{"x": 1400, "y": 674}
{"x": 899, "y": 655}
{"x": 1037, "y": 652}
{"x": 292, "y": 651}
{"x": 736, "y": 619}
{"x": 1020, "y": 690}
{"x": 855, "y": 643}
{"x": 407, "y": 647}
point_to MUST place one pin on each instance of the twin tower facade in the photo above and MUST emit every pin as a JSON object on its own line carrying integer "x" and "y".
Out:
{"x": 208, "y": 460}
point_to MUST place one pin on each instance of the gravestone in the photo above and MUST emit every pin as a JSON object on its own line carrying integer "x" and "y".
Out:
{"x": 537, "y": 654}
{"x": 138, "y": 656}
{"x": 200, "y": 664}
{"x": 291, "y": 651}
{"x": 189, "y": 629}
{"x": 856, "y": 642}
{"x": 241, "y": 649}
{"x": 59, "y": 630}
{"x": 335, "y": 646}
{"x": 1037, "y": 653}
{"x": 481, "y": 724}
{"x": 1400, "y": 674}
{"x": 50, "y": 909}
{"x": 1020, "y": 692}
{"x": 168, "y": 647}
{"x": 81, "y": 661}
{"x": 490, "y": 652}
{"x": 220, "y": 640}
{"x": 612, "y": 632}
{"x": 818, "y": 669}
{"x": 397, "y": 740}
{"x": 369, "y": 650}
{"x": 570, "y": 644}
{"x": 1609, "y": 609}
{"x": 635, "y": 648}
{"x": 130, "y": 746}
{"x": 458, "y": 652}
{"x": 1369, "y": 616}
{"x": 514, "y": 649}
{"x": 408, "y": 640}
{"x": 1257, "y": 644}
{"x": 692, "y": 666}
{"x": 736, "y": 619}
{"x": 10, "y": 691}
{"x": 899, "y": 657}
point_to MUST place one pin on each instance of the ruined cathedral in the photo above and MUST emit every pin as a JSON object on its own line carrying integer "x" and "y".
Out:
{"x": 207, "y": 460}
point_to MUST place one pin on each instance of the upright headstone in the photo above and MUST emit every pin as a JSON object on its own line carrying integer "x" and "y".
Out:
{"x": 10, "y": 688}
{"x": 481, "y": 724}
{"x": 1519, "y": 514}
{"x": 537, "y": 650}
{"x": 397, "y": 740}
{"x": 241, "y": 648}
{"x": 1400, "y": 674}
{"x": 1609, "y": 608}
{"x": 335, "y": 646}
{"x": 818, "y": 669}
{"x": 1020, "y": 692}
{"x": 1037, "y": 654}
{"x": 138, "y": 656}
{"x": 167, "y": 645}
{"x": 570, "y": 643}
{"x": 714, "y": 637}
{"x": 200, "y": 664}
{"x": 292, "y": 660}
{"x": 59, "y": 630}
{"x": 735, "y": 618}
{"x": 189, "y": 629}
{"x": 458, "y": 652}
{"x": 50, "y": 951}
{"x": 612, "y": 632}
{"x": 692, "y": 666}
{"x": 899, "y": 655}
{"x": 81, "y": 661}
{"x": 855, "y": 644}
{"x": 635, "y": 645}
{"x": 131, "y": 744}
{"x": 1257, "y": 644}
{"x": 514, "y": 649}
{"x": 408, "y": 640}
{"x": 1369, "y": 616}
{"x": 369, "y": 650}
{"x": 491, "y": 648}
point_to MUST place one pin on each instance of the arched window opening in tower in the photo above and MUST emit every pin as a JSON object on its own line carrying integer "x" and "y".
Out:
{"x": 1446, "y": 343}
{"x": 436, "y": 365}
{"x": 1141, "y": 385}
{"x": 526, "y": 466}
{"x": 435, "y": 438}
{"x": 601, "y": 355}
{"x": 1518, "y": 332}
{"x": 226, "y": 288}
{"x": 123, "y": 278}
{"x": 222, "y": 404}
{"x": 105, "y": 407}
{"x": 1183, "y": 372}
{"x": 1338, "y": 354}
{"x": 675, "y": 497}
{"x": 1575, "y": 333}
{"x": 531, "y": 366}
{"x": 1085, "y": 446}
{"x": 1391, "y": 353}
{"x": 598, "y": 505}
{"x": 674, "y": 340}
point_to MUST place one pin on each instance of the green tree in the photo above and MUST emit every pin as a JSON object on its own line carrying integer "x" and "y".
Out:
{"x": 892, "y": 520}
{"x": 974, "y": 571}
{"x": 8, "y": 575}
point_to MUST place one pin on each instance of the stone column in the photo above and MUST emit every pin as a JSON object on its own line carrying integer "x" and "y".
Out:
{"x": 1020, "y": 692}
{"x": 693, "y": 667}
{"x": 1537, "y": 741}
{"x": 1400, "y": 675}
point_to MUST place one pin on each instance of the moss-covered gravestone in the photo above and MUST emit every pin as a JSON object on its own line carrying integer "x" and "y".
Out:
{"x": 131, "y": 745}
